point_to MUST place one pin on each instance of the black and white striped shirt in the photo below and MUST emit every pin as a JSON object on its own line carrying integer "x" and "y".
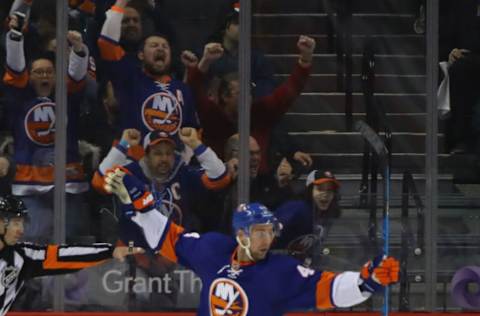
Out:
{"x": 24, "y": 261}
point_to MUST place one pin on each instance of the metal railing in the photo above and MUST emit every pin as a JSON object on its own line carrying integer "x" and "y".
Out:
{"x": 409, "y": 189}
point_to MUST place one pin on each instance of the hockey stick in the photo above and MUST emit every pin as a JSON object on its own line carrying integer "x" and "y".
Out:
{"x": 383, "y": 153}
{"x": 372, "y": 138}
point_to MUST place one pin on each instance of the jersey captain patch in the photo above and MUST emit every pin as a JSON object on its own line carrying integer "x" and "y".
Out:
{"x": 227, "y": 297}
{"x": 162, "y": 111}
{"x": 40, "y": 124}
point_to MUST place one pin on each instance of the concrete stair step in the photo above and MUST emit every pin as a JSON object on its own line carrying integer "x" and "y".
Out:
{"x": 352, "y": 142}
{"x": 334, "y": 102}
{"x": 304, "y": 122}
{"x": 384, "y": 44}
{"x": 306, "y": 23}
{"x": 460, "y": 226}
{"x": 399, "y": 86}
{"x": 285, "y": 6}
{"x": 384, "y": 83}
{"x": 414, "y": 162}
{"x": 387, "y": 6}
{"x": 327, "y": 64}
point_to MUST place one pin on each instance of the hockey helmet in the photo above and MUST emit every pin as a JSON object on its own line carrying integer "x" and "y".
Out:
{"x": 248, "y": 214}
{"x": 12, "y": 207}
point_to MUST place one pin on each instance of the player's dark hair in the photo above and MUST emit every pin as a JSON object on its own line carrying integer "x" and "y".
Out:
{"x": 156, "y": 34}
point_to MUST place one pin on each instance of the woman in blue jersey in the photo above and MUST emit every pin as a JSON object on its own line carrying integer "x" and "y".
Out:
{"x": 313, "y": 225}
{"x": 314, "y": 214}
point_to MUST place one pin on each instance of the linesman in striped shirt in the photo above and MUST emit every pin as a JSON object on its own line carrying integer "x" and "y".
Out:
{"x": 22, "y": 261}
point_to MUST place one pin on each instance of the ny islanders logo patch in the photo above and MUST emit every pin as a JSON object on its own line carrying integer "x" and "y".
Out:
{"x": 163, "y": 111}
{"x": 227, "y": 297}
{"x": 40, "y": 124}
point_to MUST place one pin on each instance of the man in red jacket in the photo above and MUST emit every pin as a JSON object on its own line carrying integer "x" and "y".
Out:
{"x": 219, "y": 119}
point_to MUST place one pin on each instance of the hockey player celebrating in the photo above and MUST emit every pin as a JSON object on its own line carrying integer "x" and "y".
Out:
{"x": 23, "y": 261}
{"x": 239, "y": 275}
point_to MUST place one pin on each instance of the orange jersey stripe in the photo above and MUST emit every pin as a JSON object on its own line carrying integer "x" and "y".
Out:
{"x": 28, "y": 173}
{"x": 17, "y": 80}
{"x": 135, "y": 152}
{"x": 168, "y": 246}
{"x": 217, "y": 184}
{"x": 324, "y": 286}
{"x": 118, "y": 9}
{"x": 110, "y": 51}
{"x": 98, "y": 183}
{"x": 145, "y": 200}
{"x": 88, "y": 7}
{"x": 51, "y": 262}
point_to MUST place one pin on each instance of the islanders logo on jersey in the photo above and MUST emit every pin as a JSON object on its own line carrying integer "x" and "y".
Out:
{"x": 163, "y": 111}
{"x": 40, "y": 123}
{"x": 227, "y": 297}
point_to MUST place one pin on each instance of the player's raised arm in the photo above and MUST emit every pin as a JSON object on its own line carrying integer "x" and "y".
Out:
{"x": 62, "y": 259}
{"x": 215, "y": 175}
{"x": 108, "y": 42}
{"x": 16, "y": 74}
{"x": 159, "y": 232}
{"x": 78, "y": 59}
{"x": 345, "y": 289}
{"x": 50, "y": 259}
{"x": 117, "y": 156}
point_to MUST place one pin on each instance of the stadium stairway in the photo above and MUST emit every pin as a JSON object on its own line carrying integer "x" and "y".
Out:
{"x": 317, "y": 120}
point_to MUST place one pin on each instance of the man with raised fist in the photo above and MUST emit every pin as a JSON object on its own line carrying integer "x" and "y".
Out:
{"x": 30, "y": 92}
{"x": 219, "y": 119}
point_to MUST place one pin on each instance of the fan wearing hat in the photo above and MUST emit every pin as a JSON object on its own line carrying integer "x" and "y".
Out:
{"x": 174, "y": 184}
{"x": 322, "y": 187}
{"x": 314, "y": 213}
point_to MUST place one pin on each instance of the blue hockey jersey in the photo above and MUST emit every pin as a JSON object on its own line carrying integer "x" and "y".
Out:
{"x": 32, "y": 120}
{"x": 185, "y": 184}
{"x": 146, "y": 103}
{"x": 271, "y": 286}
{"x": 33, "y": 124}
{"x": 297, "y": 218}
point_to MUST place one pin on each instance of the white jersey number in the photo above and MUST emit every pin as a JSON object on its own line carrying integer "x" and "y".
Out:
{"x": 305, "y": 272}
